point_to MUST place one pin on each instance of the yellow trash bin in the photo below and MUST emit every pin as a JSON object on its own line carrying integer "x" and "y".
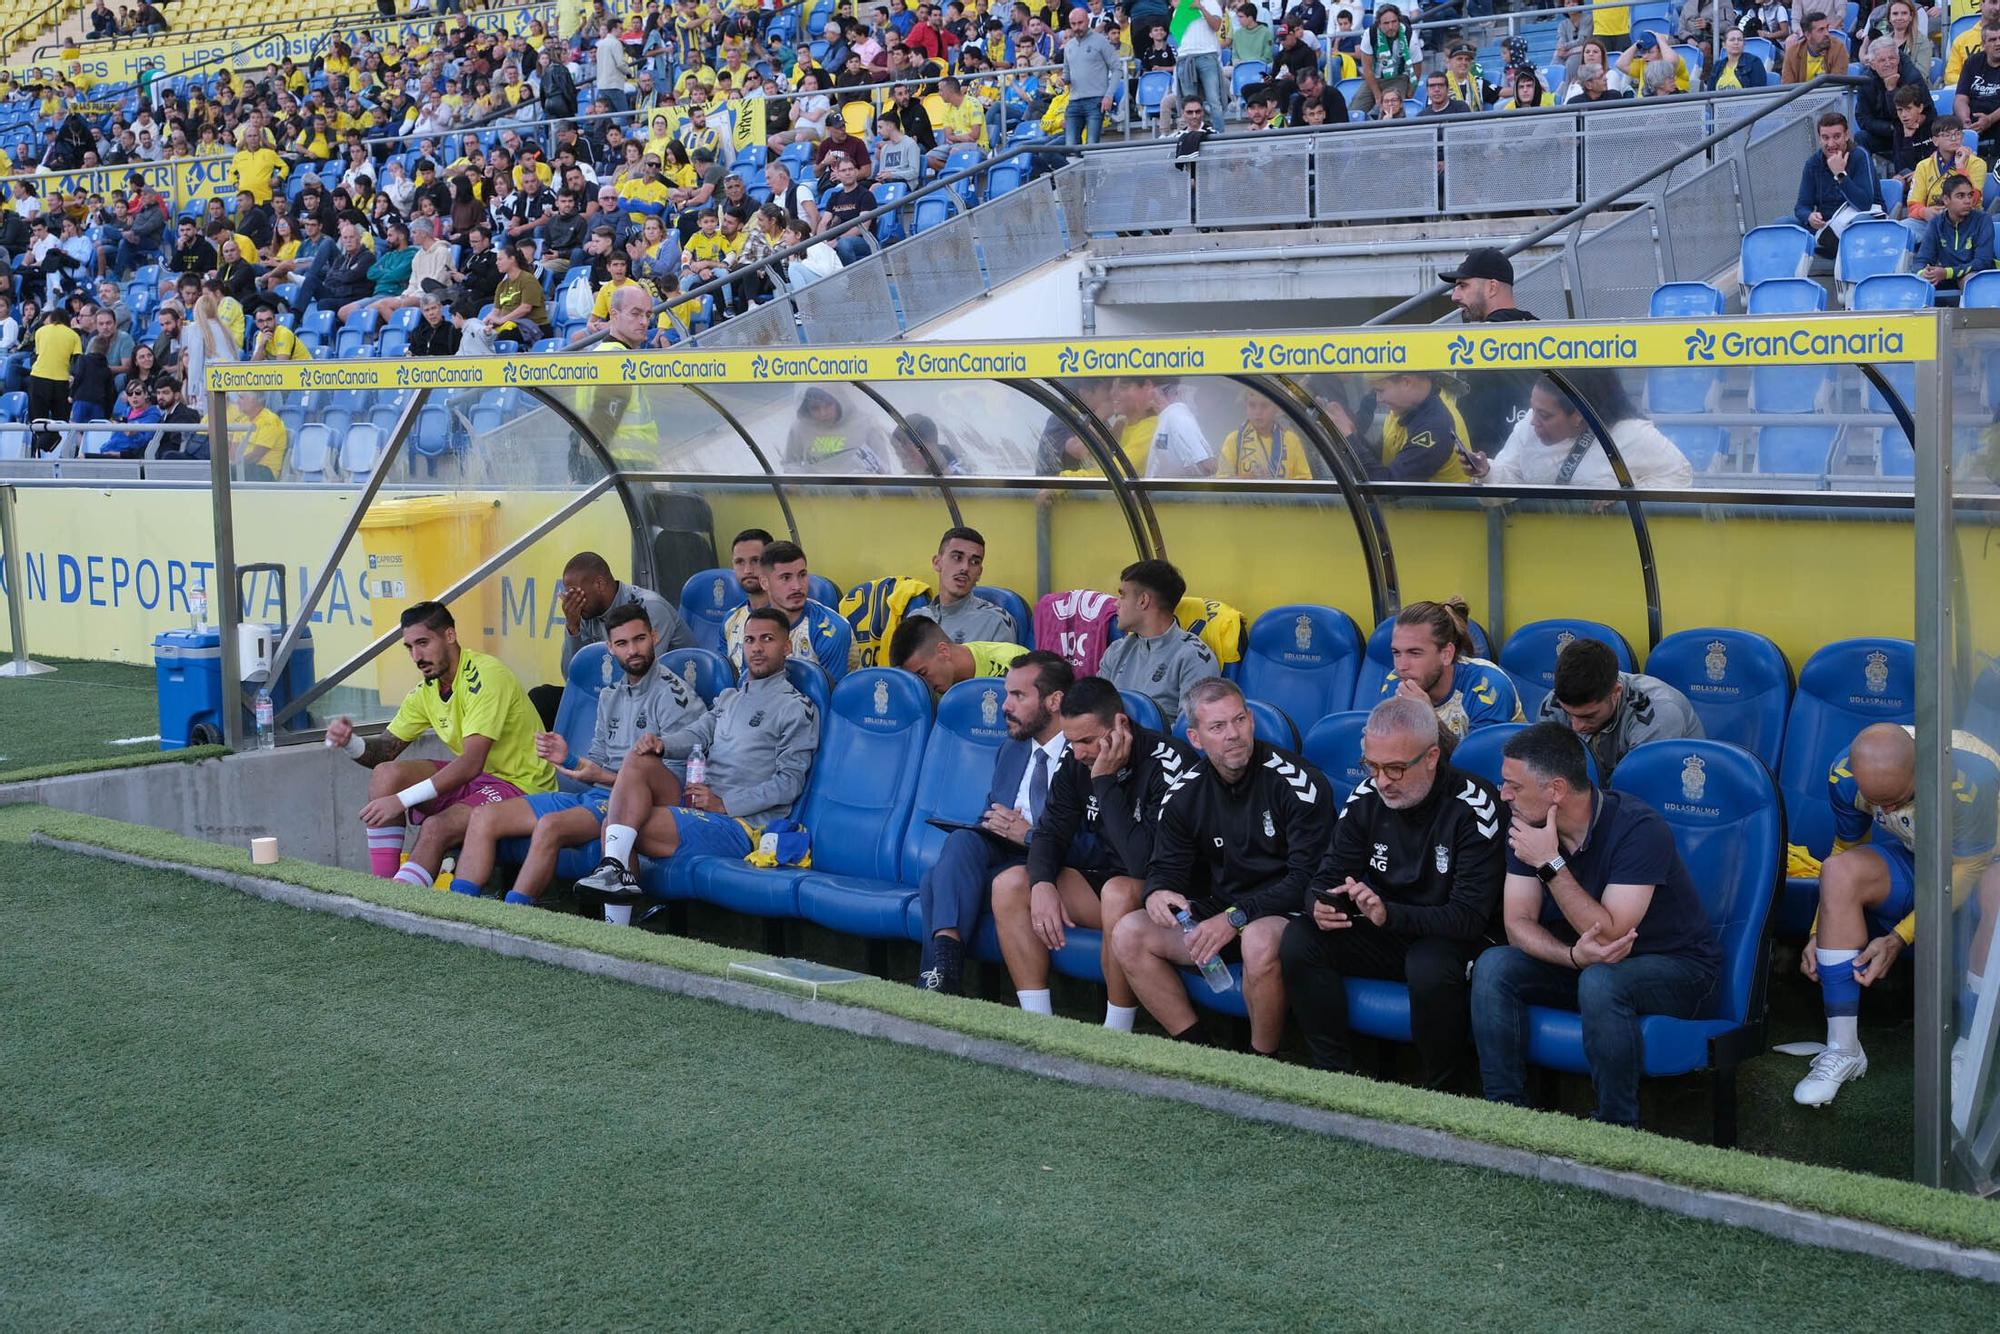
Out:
{"x": 418, "y": 546}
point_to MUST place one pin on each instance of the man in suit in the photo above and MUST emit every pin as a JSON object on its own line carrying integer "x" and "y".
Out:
{"x": 953, "y": 892}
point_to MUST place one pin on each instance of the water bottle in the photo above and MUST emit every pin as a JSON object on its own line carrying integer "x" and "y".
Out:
{"x": 198, "y": 605}
{"x": 697, "y": 766}
{"x": 446, "y": 872}
{"x": 267, "y": 732}
{"x": 1215, "y": 972}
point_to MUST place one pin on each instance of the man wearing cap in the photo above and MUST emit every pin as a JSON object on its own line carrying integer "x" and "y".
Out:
{"x": 1482, "y": 287}
{"x": 1313, "y": 88}
{"x": 1464, "y": 80}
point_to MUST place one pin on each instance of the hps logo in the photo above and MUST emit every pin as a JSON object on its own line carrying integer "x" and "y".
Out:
{"x": 1253, "y": 355}
{"x": 906, "y": 364}
{"x": 1460, "y": 350}
{"x": 1066, "y": 361}
{"x": 1701, "y": 345}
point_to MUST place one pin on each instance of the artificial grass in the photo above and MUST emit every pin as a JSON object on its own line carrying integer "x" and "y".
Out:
{"x": 140, "y": 760}
{"x": 224, "y": 1114}
{"x": 71, "y": 717}
{"x": 1898, "y": 1204}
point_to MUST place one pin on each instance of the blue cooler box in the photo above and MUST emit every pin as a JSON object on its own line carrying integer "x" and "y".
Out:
{"x": 187, "y": 669}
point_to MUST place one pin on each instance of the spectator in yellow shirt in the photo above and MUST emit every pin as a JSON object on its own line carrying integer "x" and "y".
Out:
{"x": 256, "y": 166}
{"x": 262, "y": 456}
{"x": 1264, "y": 445}
{"x": 963, "y": 122}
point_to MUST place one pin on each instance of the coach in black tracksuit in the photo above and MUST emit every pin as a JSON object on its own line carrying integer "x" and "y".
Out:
{"x": 1239, "y": 837}
{"x": 1087, "y": 861}
{"x": 1421, "y": 849}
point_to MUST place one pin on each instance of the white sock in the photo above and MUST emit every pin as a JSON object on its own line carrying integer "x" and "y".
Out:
{"x": 619, "y": 840}
{"x": 1035, "y": 1002}
{"x": 1844, "y": 1031}
{"x": 618, "y": 914}
{"x": 412, "y": 874}
{"x": 1119, "y": 1018}
{"x": 389, "y": 836}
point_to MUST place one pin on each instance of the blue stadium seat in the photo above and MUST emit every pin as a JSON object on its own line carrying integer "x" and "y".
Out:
{"x": 1671, "y": 300}
{"x": 1334, "y": 746}
{"x": 1378, "y": 664}
{"x": 857, "y": 808}
{"x": 1142, "y": 711}
{"x": 1479, "y": 752}
{"x": 1702, "y": 445}
{"x": 1793, "y": 390}
{"x": 1529, "y": 656}
{"x": 1843, "y": 688}
{"x": 576, "y": 722}
{"x": 1739, "y": 682}
{"x": 1153, "y": 86}
{"x": 1243, "y": 74}
{"x": 1892, "y": 291}
{"x": 810, "y": 680}
{"x": 1005, "y": 177}
{"x": 1271, "y": 723}
{"x": 1302, "y": 658}
{"x": 1777, "y": 251}
{"x": 707, "y": 598}
{"x": 1982, "y": 709}
{"x": 1982, "y": 290}
{"x": 1871, "y": 247}
{"x": 1731, "y": 835}
{"x": 706, "y": 671}
{"x": 1786, "y": 296}
{"x": 1015, "y": 606}
{"x": 823, "y": 591}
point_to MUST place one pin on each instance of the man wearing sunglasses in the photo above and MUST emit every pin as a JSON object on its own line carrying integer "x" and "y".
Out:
{"x": 1408, "y": 892}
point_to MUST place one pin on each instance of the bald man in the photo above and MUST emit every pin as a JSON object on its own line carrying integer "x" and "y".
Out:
{"x": 1868, "y": 884}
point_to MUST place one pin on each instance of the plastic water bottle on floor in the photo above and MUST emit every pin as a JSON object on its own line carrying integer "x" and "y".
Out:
{"x": 1215, "y": 972}
{"x": 198, "y": 605}
{"x": 267, "y": 732}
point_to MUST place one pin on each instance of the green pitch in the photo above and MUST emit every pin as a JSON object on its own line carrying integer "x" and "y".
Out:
{"x": 77, "y": 712}
{"x": 224, "y": 1113}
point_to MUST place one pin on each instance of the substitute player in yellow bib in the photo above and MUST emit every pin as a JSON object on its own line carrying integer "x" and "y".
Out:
{"x": 478, "y": 709}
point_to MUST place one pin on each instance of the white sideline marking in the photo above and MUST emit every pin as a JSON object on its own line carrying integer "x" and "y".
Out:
{"x": 133, "y": 740}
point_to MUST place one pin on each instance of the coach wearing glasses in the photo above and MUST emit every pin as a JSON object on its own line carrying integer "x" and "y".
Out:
{"x": 1409, "y": 891}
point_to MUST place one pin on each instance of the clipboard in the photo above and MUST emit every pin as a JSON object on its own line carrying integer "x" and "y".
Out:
{"x": 953, "y": 826}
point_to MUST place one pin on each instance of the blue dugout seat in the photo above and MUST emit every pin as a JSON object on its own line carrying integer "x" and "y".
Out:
{"x": 1272, "y": 725}
{"x": 1529, "y": 655}
{"x": 1982, "y": 710}
{"x": 810, "y": 679}
{"x": 1142, "y": 711}
{"x": 707, "y": 598}
{"x": 1015, "y": 606}
{"x": 706, "y": 671}
{"x": 590, "y": 671}
{"x": 1739, "y": 682}
{"x": 1334, "y": 746}
{"x": 1480, "y": 752}
{"x": 1302, "y": 659}
{"x": 1846, "y": 686}
{"x": 855, "y": 804}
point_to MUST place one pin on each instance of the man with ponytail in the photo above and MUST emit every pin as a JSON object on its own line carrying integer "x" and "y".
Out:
{"x": 1431, "y": 648}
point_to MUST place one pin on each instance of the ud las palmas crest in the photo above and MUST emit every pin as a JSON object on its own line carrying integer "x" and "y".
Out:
{"x": 1694, "y": 777}
{"x": 989, "y": 707}
{"x": 1717, "y": 661}
{"x": 881, "y": 698}
{"x": 1876, "y": 672}
{"x": 1302, "y": 633}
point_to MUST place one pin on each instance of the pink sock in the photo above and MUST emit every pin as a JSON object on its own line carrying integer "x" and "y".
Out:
{"x": 385, "y": 852}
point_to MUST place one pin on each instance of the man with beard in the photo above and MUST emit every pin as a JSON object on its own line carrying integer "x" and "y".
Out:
{"x": 953, "y": 892}
{"x": 478, "y": 710}
{"x": 649, "y": 703}
{"x": 1431, "y": 649}
{"x": 1407, "y": 893}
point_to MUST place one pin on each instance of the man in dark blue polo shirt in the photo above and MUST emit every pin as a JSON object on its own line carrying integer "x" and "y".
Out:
{"x": 1601, "y": 917}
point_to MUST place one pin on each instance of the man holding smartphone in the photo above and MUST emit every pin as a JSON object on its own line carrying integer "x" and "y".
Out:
{"x": 1408, "y": 892}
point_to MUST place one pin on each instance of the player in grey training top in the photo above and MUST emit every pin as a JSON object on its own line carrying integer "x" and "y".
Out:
{"x": 1155, "y": 657}
{"x": 1613, "y": 711}
{"x": 590, "y": 592}
{"x": 648, "y": 700}
{"x": 966, "y": 617}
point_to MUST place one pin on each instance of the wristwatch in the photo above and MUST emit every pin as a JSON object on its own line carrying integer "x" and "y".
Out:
{"x": 1238, "y": 918}
{"x": 1546, "y": 872}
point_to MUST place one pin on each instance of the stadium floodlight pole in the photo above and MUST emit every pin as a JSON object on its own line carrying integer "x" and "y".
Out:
{"x": 1605, "y": 198}
{"x": 406, "y": 421}
{"x": 17, "y": 593}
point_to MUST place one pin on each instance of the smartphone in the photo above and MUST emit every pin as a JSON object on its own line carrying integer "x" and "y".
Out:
{"x": 1339, "y": 900}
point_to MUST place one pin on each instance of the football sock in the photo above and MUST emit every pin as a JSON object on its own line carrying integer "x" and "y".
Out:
{"x": 516, "y": 896}
{"x": 1120, "y": 1018}
{"x": 619, "y": 840}
{"x": 1035, "y": 1002}
{"x": 385, "y": 851}
{"x": 1842, "y": 997}
{"x": 413, "y": 874}
{"x": 460, "y": 885}
{"x": 618, "y": 914}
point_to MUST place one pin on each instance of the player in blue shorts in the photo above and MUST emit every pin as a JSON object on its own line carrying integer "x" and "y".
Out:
{"x": 1868, "y": 884}
{"x": 758, "y": 740}
{"x": 632, "y": 714}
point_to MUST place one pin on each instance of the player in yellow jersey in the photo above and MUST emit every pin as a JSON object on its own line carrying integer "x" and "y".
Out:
{"x": 921, "y": 646}
{"x": 479, "y": 711}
